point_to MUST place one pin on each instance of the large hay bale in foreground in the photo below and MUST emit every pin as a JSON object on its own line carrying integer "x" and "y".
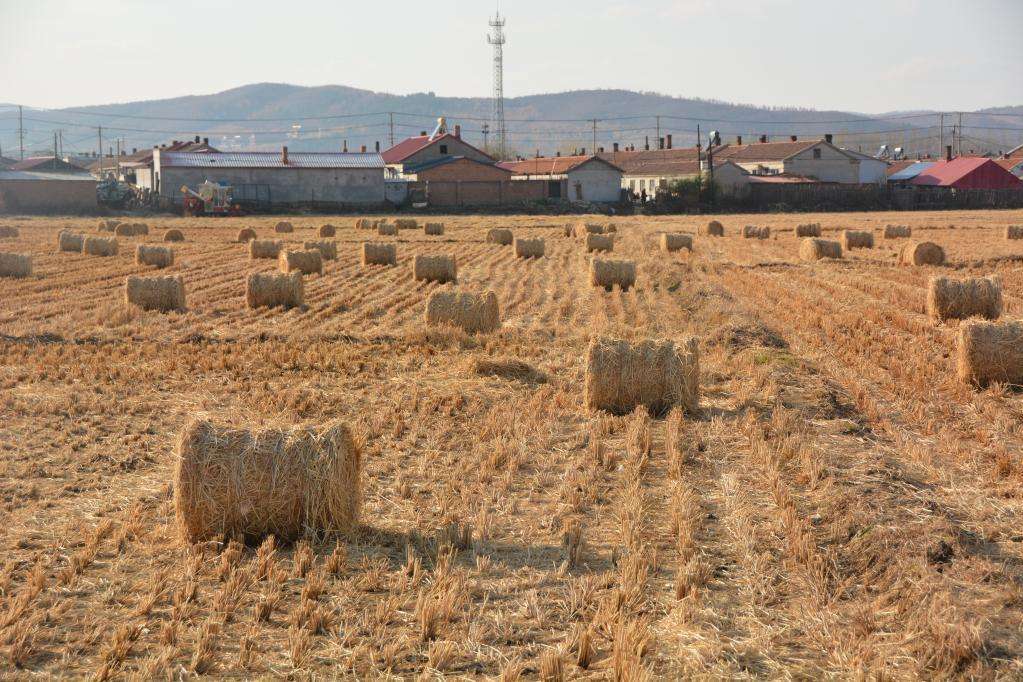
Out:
{"x": 70, "y": 241}
{"x": 435, "y": 269}
{"x": 435, "y": 229}
{"x": 608, "y": 273}
{"x": 897, "y": 232}
{"x": 272, "y": 289}
{"x": 6, "y": 231}
{"x": 857, "y": 239}
{"x": 811, "y": 249}
{"x": 247, "y": 484}
{"x": 599, "y": 242}
{"x": 990, "y": 351}
{"x": 284, "y": 227}
{"x": 387, "y": 229}
{"x": 160, "y": 256}
{"x": 755, "y": 232}
{"x": 307, "y": 262}
{"x": 377, "y": 253}
{"x": 406, "y": 223}
{"x": 500, "y": 235}
{"x": 654, "y": 373}
{"x": 246, "y": 234}
{"x": 174, "y": 236}
{"x": 155, "y": 293}
{"x": 327, "y": 230}
{"x": 1014, "y": 232}
{"x": 808, "y": 230}
{"x": 921, "y": 253}
{"x": 673, "y": 241}
{"x": 952, "y": 299}
{"x": 99, "y": 246}
{"x": 472, "y": 313}
{"x": 529, "y": 248}
{"x": 15, "y": 265}
{"x": 265, "y": 248}
{"x": 713, "y": 229}
{"x": 328, "y": 250}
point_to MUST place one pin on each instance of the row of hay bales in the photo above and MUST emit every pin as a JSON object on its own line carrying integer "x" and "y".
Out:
{"x": 8, "y": 232}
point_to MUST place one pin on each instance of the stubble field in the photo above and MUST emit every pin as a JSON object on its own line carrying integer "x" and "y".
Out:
{"x": 841, "y": 505}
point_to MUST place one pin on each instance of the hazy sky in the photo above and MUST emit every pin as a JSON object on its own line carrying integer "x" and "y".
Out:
{"x": 861, "y": 55}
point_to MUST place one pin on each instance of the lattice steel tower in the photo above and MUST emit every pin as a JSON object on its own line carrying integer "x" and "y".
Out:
{"x": 497, "y": 39}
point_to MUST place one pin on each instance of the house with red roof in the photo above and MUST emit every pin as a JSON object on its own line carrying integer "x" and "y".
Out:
{"x": 968, "y": 172}
{"x": 409, "y": 155}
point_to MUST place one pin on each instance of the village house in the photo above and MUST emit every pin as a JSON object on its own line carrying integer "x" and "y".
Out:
{"x": 578, "y": 178}
{"x": 817, "y": 159}
{"x": 967, "y": 172}
{"x": 408, "y": 155}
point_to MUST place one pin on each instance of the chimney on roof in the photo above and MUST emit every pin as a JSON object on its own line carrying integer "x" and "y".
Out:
{"x": 377, "y": 146}
{"x": 197, "y": 139}
{"x": 669, "y": 141}
{"x": 458, "y": 130}
{"x": 738, "y": 139}
{"x": 828, "y": 137}
{"x": 763, "y": 138}
{"x": 601, "y": 150}
{"x": 363, "y": 149}
{"x": 584, "y": 151}
{"x": 646, "y": 144}
{"x": 660, "y": 143}
{"x": 284, "y": 155}
{"x": 422, "y": 133}
{"x": 344, "y": 147}
{"x": 793, "y": 138}
{"x": 134, "y": 150}
{"x": 558, "y": 153}
{"x": 206, "y": 140}
{"x": 615, "y": 147}
{"x": 948, "y": 152}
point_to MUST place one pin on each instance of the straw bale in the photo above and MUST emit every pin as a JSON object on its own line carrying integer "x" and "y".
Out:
{"x": 265, "y": 248}
{"x": 952, "y": 299}
{"x": 754, "y": 232}
{"x": 435, "y": 269}
{"x": 274, "y": 289}
{"x": 174, "y": 236}
{"x": 607, "y": 273}
{"x": 811, "y": 249}
{"x": 583, "y": 229}
{"x": 70, "y": 241}
{"x": 857, "y": 239}
{"x": 108, "y": 225}
{"x": 140, "y": 229}
{"x": 155, "y": 293}
{"x": 99, "y": 246}
{"x": 406, "y": 223}
{"x": 990, "y": 351}
{"x": 15, "y": 265}
{"x": 434, "y": 228}
{"x": 8, "y": 231}
{"x": 599, "y": 242}
{"x": 328, "y": 250}
{"x": 472, "y": 313}
{"x": 387, "y": 229}
{"x": 124, "y": 230}
{"x": 377, "y": 253}
{"x": 673, "y": 241}
{"x": 808, "y": 230}
{"x": 160, "y": 256}
{"x": 248, "y": 484}
{"x": 529, "y": 248}
{"x": 246, "y": 234}
{"x": 1014, "y": 232}
{"x": 327, "y": 230}
{"x": 307, "y": 262}
{"x": 897, "y": 231}
{"x": 500, "y": 235}
{"x": 713, "y": 229}
{"x": 365, "y": 224}
{"x": 284, "y": 227}
{"x": 921, "y": 253}
{"x": 655, "y": 373}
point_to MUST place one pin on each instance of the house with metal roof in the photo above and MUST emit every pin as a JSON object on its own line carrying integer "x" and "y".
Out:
{"x": 46, "y": 164}
{"x": 46, "y": 192}
{"x": 647, "y": 170}
{"x": 817, "y": 159}
{"x": 906, "y": 171}
{"x": 275, "y": 178}
{"x": 588, "y": 178}
{"x": 967, "y": 172}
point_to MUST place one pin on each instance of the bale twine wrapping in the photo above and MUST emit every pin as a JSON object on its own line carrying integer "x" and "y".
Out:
{"x": 952, "y": 299}
{"x": 1014, "y": 232}
{"x": 274, "y": 289}
{"x": 328, "y": 250}
{"x": 897, "y": 231}
{"x": 284, "y": 227}
{"x": 434, "y": 269}
{"x": 265, "y": 248}
{"x": 857, "y": 239}
{"x": 472, "y": 313}
{"x": 174, "y": 236}
{"x": 8, "y": 231}
{"x": 657, "y": 374}
{"x": 713, "y": 229}
{"x": 249, "y": 484}
{"x": 246, "y": 234}
{"x": 434, "y": 228}
{"x": 160, "y": 256}
{"x": 990, "y": 351}
{"x": 921, "y": 253}
{"x": 99, "y": 246}
{"x": 808, "y": 230}
{"x": 70, "y": 241}
{"x": 406, "y": 223}
{"x": 307, "y": 262}
{"x": 673, "y": 241}
{"x": 155, "y": 293}
{"x": 599, "y": 242}
{"x": 377, "y": 253}
{"x": 387, "y": 229}
{"x": 500, "y": 235}
{"x": 754, "y": 232}
{"x": 607, "y": 273}
{"x": 327, "y": 230}
{"x": 811, "y": 249}
{"x": 15, "y": 265}
{"x": 529, "y": 248}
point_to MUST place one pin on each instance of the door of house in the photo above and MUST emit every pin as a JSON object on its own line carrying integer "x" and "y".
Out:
{"x": 554, "y": 189}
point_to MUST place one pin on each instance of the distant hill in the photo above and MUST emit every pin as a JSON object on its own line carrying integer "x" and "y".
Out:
{"x": 262, "y": 116}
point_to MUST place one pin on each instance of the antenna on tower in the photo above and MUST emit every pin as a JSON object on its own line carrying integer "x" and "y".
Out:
{"x": 497, "y": 39}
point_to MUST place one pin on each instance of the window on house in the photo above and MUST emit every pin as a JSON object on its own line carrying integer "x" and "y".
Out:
{"x": 443, "y": 149}
{"x": 817, "y": 153}
{"x": 632, "y": 185}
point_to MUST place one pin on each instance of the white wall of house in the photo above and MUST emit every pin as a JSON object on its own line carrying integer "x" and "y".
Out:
{"x": 872, "y": 172}
{"x": 730, "y": 178}
{"x": 826, "y": 163}
{"x": 594, "y": 182}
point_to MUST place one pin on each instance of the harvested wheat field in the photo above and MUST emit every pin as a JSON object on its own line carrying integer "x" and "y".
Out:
{"x": 838, "y": 504}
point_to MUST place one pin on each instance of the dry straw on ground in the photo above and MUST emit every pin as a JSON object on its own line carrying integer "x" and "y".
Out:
{"x": 713, "y": 229}
{"x": 6, "y": 231}
{"x": 472, "y": 313}
{"x": 1014, "y": 232}
{"x": 328, "y": 250}
{"x": 155, "y": 293}
{"x": 500, "y": 235}
{"x": 808, "y": 230}
{"x": 990, "y": 351}
{"x": 755, "y": 232}
{"x": 265, "y": 248}
{"x": 70, "y": 241}
{"x": 599, "y": 242}
{"x": 160, "y": 256}
{"x": 673, "y": 241}
{"x": 307, "y": 262}
{"x": 99, "y": 246}
{"x": 656, "y": 374}
{"x": 246, "y": 234}
{"x": 376, "y": 253}
{"x": 435, "y": 229}
{"x": 406, "y": 223}
{"x": 529, "y": 248}
{"x": 174, "y": 236}
{"x": 387, "y": 229}
{"x": 435, "y": 269}
{"x": 952, "y": 299}
{"x": 327, "y": 230}
{"x": 610, "y": 273}
{"x": 811, "y": 249}
{"x": 274, "y": 289}
{"x": 15, "y": 265}
{"x": 284, "y": 227}
{"x": 248, "y": 484}
{"x": 857, "y": 239}
{"x": 921, "y": 253}
{"x": 897, "y": 231}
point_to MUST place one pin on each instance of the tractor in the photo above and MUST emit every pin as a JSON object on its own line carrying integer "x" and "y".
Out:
{"x": 212, "y": 199}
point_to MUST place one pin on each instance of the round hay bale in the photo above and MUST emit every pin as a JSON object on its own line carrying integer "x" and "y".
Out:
{"x": 125, "y": 230}
{"x": 857, "y": 239}
{"x": 6, "y": 232}
{"x": 434, "y": 229}
{"x": 174, "y": 236}
{"x": 608, "y": 273}
{"x": 160, "y": 256}
{"x": 108, "y": 225}
{"x": 155, "y": 293}
{"x": 70, "y": 241}
{"x": 990, "y": 351}
{"x": 99, "y": 246}
{"x": 377, "y": 253}
{"x": 599, "y": 242}
{"x": 808, "y": 230}
{"x": 673, "y": 241}
{"x": 284, "y": 227}
{"x": 656, "y": 374}
{"x": 387, "y": 229}
{"x": 1014, "y": 232}
{"x": 713, "y": 229}
{"x": 307, "y": 262}
{"x": 328, "y": 250}
{"x": 246, "y": 234}
{"x": 435, "y": 269}
{"x": 406, "y": 223}
{"x": 897, "y": 232}
{"x": 272, "y": 289}
{"x": 15, "y": 265}
{"x": 472, "y": 313}
{"x": 583, "y": 229}
{"x": 921, "y": 253}
{"x": 365, "y": 224}
{"x": 812, "y": 249}
{"x": 246, "y": 484}
{"x": 529, "y": 248}
{"x": 952, "y": 299}
{"x": 265, "y": 248}
{"x": 755, "y": 232}
{"x": 139, "y": 229}
{"x": 500, "y": 236}
{"x": 327, "y": 230}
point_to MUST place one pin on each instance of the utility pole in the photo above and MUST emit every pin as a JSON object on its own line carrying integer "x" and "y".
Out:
{"x": 21, "y": 134}
{"x": 941, "y": 134}
{"x": 99, "y": 131}
{"x": 658, "y": 132}
{"x": 486, "y": 133}
{"x": 594, "y": 136}
{"x": 60, "y": 136}
{"x": 392, "y": 128}
{"x": 55, "y": 157}
{"x": 959, "y": 150}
